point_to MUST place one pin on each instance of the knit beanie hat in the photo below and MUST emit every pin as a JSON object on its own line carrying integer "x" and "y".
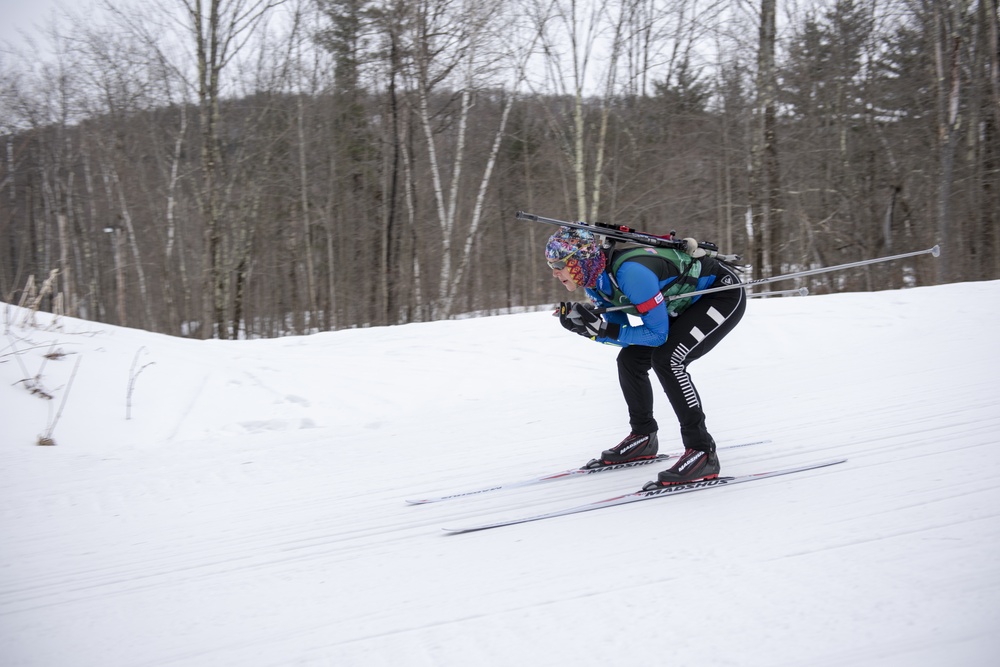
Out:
{"x": 581, "y": 251}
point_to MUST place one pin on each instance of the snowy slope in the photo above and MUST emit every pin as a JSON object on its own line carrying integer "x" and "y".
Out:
{"x": 251, "y": 511}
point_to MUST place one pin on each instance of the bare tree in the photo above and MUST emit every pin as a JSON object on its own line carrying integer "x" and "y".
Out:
{"x": 458, "y": 45}
{"x": 576, "y": 27}
{"x": 990, "y": 13}
{"x": 219, "y": 30}
{"x": 948, "y": 21}
{"x": 764, "y": 186}
{"x": 258, "y": 185}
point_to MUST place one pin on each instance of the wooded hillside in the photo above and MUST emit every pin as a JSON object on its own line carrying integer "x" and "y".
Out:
{"x": 256, "y": 168}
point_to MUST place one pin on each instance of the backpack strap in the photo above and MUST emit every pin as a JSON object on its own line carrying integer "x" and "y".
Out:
{"x": 687, "y": 281}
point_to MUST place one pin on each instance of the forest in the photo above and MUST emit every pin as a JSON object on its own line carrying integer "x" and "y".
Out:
{"x": 259, "y": 168}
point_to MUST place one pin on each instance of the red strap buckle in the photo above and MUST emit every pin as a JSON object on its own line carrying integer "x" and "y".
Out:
{"x": 649, "y": 305}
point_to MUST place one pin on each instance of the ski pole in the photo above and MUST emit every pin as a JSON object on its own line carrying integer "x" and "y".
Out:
{"x": 802, "y": 291}
{"x": 934, "y": 252}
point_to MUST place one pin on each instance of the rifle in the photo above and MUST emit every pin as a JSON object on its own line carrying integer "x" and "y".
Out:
{"x": 629, "y": 235}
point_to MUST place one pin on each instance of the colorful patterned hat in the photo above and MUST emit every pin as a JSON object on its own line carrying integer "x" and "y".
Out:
{"x": 581, "y": 251}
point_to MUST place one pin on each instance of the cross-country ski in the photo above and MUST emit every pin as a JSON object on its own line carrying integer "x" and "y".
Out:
{"x": 638, "y": 496}
{"x": 564, "y": 474}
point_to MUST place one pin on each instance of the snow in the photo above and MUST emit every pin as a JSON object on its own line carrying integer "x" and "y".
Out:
{"x": 251, "y": 512}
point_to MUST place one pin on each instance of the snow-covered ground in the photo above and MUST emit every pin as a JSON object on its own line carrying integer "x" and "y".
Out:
{"x": 251, "y": 512}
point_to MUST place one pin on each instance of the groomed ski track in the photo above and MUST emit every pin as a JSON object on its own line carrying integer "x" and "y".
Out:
{"x": 694, "y": 486}
{"x": 251, "y": 512}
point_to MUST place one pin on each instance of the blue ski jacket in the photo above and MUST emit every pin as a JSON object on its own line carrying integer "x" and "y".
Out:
{"x": 642, "y": 280}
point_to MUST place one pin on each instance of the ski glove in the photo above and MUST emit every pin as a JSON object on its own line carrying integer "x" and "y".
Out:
{"x": 581, "y": 319}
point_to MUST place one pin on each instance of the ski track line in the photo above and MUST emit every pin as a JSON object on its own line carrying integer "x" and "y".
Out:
{"x": 198, "y": 554}
{"x": 207, "y": 551}
{"x": 118, "y": 581}
{"x": 909, "y": 651}
{"x": 381, "y": 617}
{"x": 941, "y": 495}
{"x": 189, "y": 408}
{"x": 302, "y": 543}
{"x": 988, "y": 520}
{"x": 871, "y": 457}
{"x": 212, "y": 561}
{"x": 916, "y": 442}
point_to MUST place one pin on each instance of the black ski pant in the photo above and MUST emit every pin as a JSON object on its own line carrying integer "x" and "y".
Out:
{"x": 692, "y": 334}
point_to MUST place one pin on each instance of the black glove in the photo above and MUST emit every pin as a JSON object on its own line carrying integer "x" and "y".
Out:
{"x": 581, "y": 319}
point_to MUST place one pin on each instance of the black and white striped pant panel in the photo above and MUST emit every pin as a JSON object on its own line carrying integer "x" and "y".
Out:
{"x": 692, "y": 335}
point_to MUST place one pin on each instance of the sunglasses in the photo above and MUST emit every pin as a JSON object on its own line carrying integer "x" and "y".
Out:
{"x": 560, "y": 264}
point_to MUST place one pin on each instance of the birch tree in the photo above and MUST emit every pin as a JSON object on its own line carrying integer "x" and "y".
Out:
{"x": 219, "y": 30}
{"x": 596, "y": 54}
{"x": 458, "y": 44}
{"x": 571, "y": 33}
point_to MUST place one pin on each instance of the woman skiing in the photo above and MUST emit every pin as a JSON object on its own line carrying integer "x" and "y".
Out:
{"x": 673, "y": 333}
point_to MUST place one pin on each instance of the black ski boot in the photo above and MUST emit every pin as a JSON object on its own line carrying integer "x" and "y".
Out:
{"x": 636, "y": 447}
{"x": 693, "y": 465}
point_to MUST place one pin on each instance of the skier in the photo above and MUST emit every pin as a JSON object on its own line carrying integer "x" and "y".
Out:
{"x": 673, "y": 333}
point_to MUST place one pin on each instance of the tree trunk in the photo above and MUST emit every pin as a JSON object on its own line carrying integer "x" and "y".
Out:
{"x": 173, "y": 316}
{"x": 947, "y": 66}
{"x": 764, "y": 151}
{"x": 306, "y": 227}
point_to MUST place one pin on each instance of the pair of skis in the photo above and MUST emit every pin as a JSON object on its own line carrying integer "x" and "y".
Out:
{"x": 636, "y": 496}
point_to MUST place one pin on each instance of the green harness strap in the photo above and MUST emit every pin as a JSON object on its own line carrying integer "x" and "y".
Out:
{"x": 687, "y": 281}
